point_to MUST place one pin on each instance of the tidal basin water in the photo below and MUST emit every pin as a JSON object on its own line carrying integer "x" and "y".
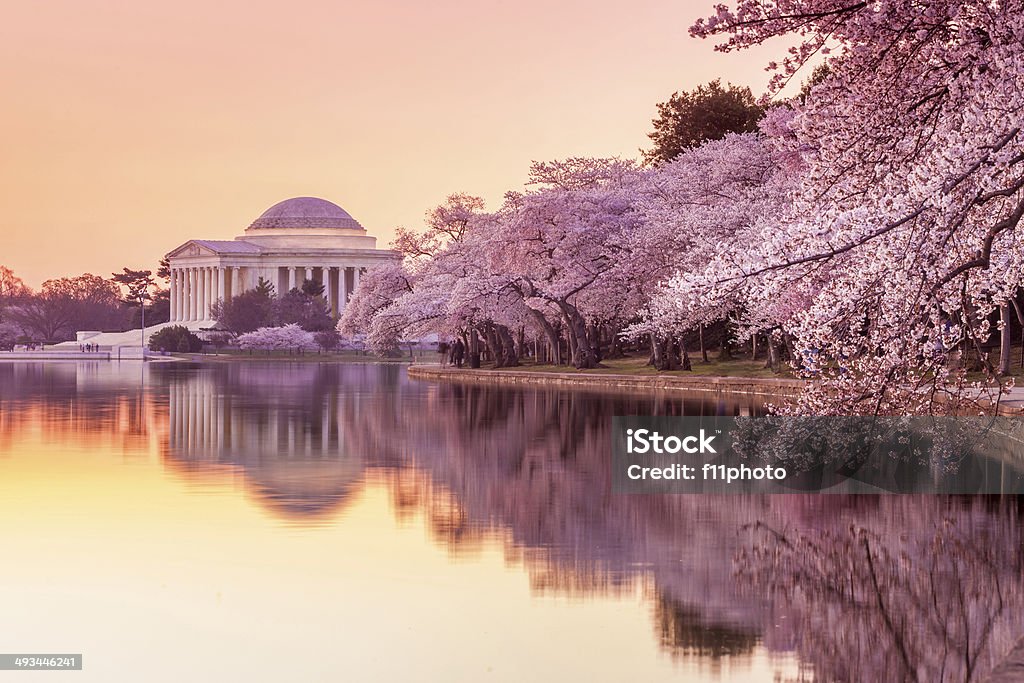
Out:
{"x": 315, "y": 522}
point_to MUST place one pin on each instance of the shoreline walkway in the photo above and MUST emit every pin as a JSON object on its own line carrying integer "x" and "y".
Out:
{"x": 748, "y": 386}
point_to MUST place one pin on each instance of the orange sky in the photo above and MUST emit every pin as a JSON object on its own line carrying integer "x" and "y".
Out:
{"x": 128, "y": 127}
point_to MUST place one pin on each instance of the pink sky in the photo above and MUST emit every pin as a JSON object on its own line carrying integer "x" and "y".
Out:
{"x": 129, "y": 127}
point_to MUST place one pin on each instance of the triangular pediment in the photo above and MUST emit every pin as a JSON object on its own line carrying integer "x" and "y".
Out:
{"x": 191, "y": 248}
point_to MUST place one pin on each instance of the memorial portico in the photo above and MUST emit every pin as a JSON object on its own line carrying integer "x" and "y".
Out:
{"x": 299, "y": 239}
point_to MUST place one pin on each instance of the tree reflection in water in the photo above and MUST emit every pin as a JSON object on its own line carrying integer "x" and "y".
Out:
{"x": 936, "y": 597}
{"x": 862, "y": 588}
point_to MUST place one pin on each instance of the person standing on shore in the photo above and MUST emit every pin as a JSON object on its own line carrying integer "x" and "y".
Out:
{"x": 443, "y": 349}
{"x": 458, "y": 352}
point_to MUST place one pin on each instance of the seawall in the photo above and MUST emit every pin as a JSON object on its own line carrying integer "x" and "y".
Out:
{"x": 763, "y": 388}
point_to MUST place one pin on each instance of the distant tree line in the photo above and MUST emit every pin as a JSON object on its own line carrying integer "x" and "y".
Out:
{"x": 64, "y": 305}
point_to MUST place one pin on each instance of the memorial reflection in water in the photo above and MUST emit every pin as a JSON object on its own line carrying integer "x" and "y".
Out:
{"x": 291, "y": 432}
{"x": 853, "y": 587}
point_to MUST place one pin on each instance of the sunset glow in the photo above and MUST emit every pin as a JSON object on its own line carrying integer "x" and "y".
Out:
{"x": 130, "y": 127}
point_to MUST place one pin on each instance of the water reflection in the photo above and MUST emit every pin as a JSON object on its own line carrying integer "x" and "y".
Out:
{"x": 860, "y": 588}
{"x": 92, "y": 404}
{"x": 284, "y": 430}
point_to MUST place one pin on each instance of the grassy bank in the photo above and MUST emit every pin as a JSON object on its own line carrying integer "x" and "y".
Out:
{"x": 715, "y": 367}
{"x": 737, "y": 366}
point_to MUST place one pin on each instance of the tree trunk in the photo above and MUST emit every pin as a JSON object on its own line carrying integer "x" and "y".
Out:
{"x": 615, "y": 347}
{"x": 788, "y": 346}
{"x": 582, "y": 351}
{"x": 658, "y": 359}
{"x": 675, "y": 361}
{"x": 684, "y": 360}
{"x": 474, "y": 349}
{"x": 703, "y": 349}
{"x": 571, "y": 342}
{"x": 773, "y": 355}
{"x": 594, "y": 337}
{"x": 666, "y": 355}
{"x": 1004, "y": 339}
{"x": 493, "y": 344}
{"x": 509, "y": 357}
{"x": 549, "y": 330}
{"x": 1020, "y": 319}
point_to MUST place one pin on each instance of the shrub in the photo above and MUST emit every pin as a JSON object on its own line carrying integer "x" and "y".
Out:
{"x": 175, "y": 338}
{"x": 286, "y": 338}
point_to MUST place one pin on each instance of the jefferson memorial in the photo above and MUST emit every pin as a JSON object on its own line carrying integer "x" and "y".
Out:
{"x": 299, "y": 239}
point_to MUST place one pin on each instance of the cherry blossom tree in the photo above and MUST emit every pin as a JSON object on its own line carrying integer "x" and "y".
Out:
{"x": 702, "y": 209}
{"x": 560, "y": 243}
{"x": 398, "y": 299}
{"x": 907, "y": 220}
{"x": 452, "y": 282}
{"x": 285, "y": 338}
{"x": 869, "y": 227}
{"x": 378, "y": 289}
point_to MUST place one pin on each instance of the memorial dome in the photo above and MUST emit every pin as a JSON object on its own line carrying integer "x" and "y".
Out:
{"x": 305, "y": 212}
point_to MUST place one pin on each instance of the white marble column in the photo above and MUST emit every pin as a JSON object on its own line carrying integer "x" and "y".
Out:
{"x": 174, "y": 295}
{"x": 209, "y": 292}
{"x": 182, "y": 294}
{"x": 342, "y": 287}
{"x": 197, "y": 289}
{"x": 195, "y": 294}
{"x": 325, "y": 275}
{"x": 291, "y": 278}
{"x": 179, "y": 287}
{"x": 203, "y": 293}
{"x": 213, "y": 292}
{"x": 191, "y": 281}
{"x": 238, "y": 286}
{"x": 309, "y": 272}
{"x": 355, "y": 278}
{"x": 221, "y": 288}
{"x": 214, "y": 288}
{"x": 208, "y": 286}
{"x": 204, "y": 300}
